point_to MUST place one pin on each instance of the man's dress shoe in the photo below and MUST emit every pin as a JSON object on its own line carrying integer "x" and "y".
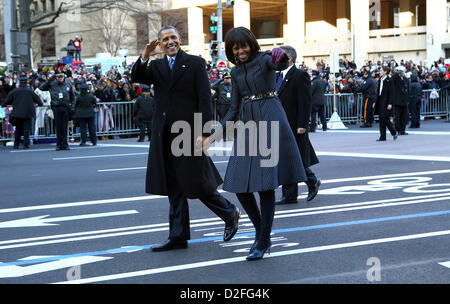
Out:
{"x": 232, "y": 227}
{"x": 313, "y": 191}
{"x": 170, "y": 245}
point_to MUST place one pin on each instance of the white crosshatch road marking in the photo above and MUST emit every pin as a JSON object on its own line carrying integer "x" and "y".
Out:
{"x": 209, "y": 222}
{"x": 242, "y": 258}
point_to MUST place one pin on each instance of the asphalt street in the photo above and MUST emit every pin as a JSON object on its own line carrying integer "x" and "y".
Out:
{"x": 382, "y": 216}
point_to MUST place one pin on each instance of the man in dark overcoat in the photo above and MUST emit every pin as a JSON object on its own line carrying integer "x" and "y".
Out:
{"x": 294, "y": 92}
{"x": 384, "y": 104}
{"x": 400, "y": 89}
{"x": 318, "y": 87}
{"x": 181, "y": 89}
{"x": 22, "y": 100}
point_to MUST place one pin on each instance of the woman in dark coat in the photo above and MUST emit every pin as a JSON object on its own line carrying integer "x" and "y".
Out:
{"x": 143, "y": 113}
{"x": 254, "y": 87}
{"x": 84, "y": 113}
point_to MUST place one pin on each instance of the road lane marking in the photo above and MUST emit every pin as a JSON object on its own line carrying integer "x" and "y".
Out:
{"x": 20, "y": 271}
{"x": 88, "y": 235}
{"x": 144, "y": 168}
{"x": 99, "y": 156}
{"x": 43, "y": 220}
{"x": 387, "y": 156}
{"x": 243, "y": 258}
{"x": 378, "y": 132}
{"x": 240, "y": 235}
{"x": 445, "y": 264}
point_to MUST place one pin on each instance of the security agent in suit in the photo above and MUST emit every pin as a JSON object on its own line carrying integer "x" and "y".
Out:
{"x": 383, "y": 106}
{"x": 401, "y": 100}
{"x": 181, "y": 88}
{"x": 22, "y": 100}
{"x": 318, "y": 87}
{"x": 294, "y": 91}
{"x": 369, "y": 91}
{"x": 62, "y": 97}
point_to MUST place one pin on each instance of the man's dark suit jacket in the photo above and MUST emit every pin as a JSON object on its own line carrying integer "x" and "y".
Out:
{"x": 178, "y": 95}
{"x": 295, "y": 96}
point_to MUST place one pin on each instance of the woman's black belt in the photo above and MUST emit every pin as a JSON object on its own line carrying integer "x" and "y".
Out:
{"x": 259, "y": 96}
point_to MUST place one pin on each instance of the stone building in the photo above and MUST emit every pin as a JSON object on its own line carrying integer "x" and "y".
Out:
{"x": 356, "y": 29}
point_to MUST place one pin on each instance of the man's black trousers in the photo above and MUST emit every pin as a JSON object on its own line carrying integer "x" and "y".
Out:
{"x": 290, "y": 192}
{"x": 179, "y": 228}
{"x": 23, "y": 128}
{"x": 401, "y": 118}
{"x": 85, "y": 125}
{"x": 61, "y": 114}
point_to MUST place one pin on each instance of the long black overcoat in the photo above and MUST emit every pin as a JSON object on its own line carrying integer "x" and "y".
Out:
{"x": 295, "y": 96}
{"x": 385, "y": 98}
{"x": 22, "y": 99}
{"x": 249, "y": 172}
{"x": 178, "y": 95}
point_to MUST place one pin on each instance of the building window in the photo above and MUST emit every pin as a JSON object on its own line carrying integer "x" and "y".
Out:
{"x": 44, "y": 6}
{"x": 48, "y": 45}
{"x": 53, "y": 5}
{"x": 396, "y": 17}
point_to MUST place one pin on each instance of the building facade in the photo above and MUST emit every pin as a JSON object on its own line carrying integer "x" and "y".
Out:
{"x": 358, "y": 30}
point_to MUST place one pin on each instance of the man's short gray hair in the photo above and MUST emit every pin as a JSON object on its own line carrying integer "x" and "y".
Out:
{"x": 168, "y": 27}
{"x": 290, "y": 52}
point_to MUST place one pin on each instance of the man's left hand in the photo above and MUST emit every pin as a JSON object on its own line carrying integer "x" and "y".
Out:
{"x": 301, "y": 131}
{"x": 203, "y": 143}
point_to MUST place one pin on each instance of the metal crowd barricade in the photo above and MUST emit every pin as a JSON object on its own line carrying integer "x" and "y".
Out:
{"x": 116, "y": 118}
{"x": 348, "y": 106}
{"x": 435, "y": 103}
{"x": 111, "y": 119}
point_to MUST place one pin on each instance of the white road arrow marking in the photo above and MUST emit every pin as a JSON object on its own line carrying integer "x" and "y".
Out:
{"x": 445, "y": 264}
{"x": 43, "y": 221}
{"x": 14, "y": 271}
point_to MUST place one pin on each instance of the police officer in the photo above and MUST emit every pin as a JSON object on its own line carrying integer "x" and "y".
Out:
{"x": 400, "y": 88}
{"x": 222, "y": 95}
{"x": 369, "y": 91}
{"x": 85, "y": 114}
{"x": 22, "y": 99}
{"x": 143, "y": 112}
{"x": 318, "y": 87}
{"x": 62, "y": 96}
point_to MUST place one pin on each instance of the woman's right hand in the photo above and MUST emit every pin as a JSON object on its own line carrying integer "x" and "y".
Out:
{"x": 150, "y": 50}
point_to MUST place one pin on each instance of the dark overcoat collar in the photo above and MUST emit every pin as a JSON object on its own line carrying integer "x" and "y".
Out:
{"x": 287, "y": 78}
{"x": 177, "y": 70}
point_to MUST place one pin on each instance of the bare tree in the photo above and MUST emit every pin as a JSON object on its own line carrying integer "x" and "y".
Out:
{"x": 30, "y": 18}
{"x": 111, "y": 23}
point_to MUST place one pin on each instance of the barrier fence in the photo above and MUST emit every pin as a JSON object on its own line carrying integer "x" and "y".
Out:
{"x": 116, "y": 118}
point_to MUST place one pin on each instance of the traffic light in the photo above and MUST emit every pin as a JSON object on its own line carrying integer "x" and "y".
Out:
{"x": 214, "y": 48}
{"x": 213, "y": 18}
{"x": 230, "y": 4}
{"x": 213, "y": 29}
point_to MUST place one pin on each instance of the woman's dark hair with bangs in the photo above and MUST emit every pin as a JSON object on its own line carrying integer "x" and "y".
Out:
{"x": 240, "y": 36}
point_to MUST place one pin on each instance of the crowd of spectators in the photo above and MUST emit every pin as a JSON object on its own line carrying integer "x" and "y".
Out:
{"x": 434, "y": 76}
{"x": 112, "y": 86}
